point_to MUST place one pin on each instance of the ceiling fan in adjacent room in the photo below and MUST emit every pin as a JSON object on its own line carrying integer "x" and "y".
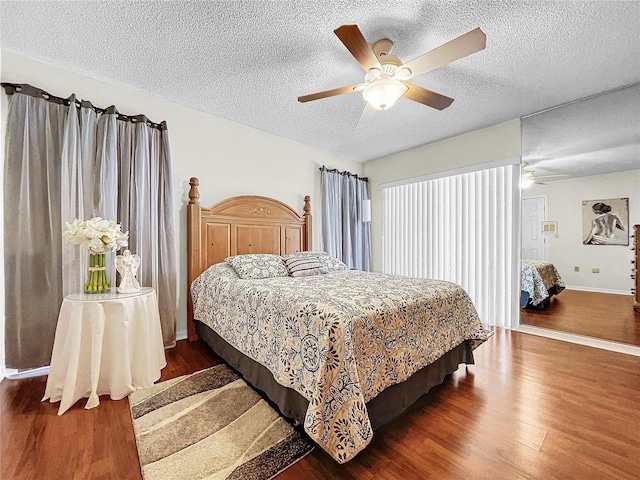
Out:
{"x": 386, "y": 76}
{"x": 529, "y": 177}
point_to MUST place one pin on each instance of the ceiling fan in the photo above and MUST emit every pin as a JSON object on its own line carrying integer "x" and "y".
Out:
{"x": 386, "y": 76}
{"x": 529, "y": 177}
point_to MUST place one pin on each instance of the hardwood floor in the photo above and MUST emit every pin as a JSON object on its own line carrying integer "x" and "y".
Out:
{"x": 531, "y": 408}
{"x": 36, "y": 443}
{"x": 593, "y": 314}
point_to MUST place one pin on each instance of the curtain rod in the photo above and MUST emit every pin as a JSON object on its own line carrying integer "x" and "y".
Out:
{"x": 26, "y": 89}
{"x": 345, "y": 173}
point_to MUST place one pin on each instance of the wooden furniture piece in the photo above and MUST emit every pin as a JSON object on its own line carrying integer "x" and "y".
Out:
{"x": 253, "y": 224}
{"x": 239, "y": 225}
{"x": 636, "y": 268}
{"x": 105, "y": 344}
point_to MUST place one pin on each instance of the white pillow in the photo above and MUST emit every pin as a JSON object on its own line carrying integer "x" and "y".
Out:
{"x": 258, "y": 265}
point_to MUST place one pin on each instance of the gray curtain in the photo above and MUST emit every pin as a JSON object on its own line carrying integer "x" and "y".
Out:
{"x": 345, "y": 234}
{"x": 65, "y": 159}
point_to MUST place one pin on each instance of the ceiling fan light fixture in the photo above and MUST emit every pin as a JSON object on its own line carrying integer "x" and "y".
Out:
{"x": 383, "y": 93}
{"x": 385, "y": 74}
{"x": 526, "y": 181}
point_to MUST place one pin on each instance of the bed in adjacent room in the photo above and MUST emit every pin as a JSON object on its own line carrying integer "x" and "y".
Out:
{"x": 540, "y": 281}
{"x": 339, "y": 351}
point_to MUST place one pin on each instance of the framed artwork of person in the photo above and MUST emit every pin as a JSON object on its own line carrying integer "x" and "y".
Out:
{"x": 605, "y": 221}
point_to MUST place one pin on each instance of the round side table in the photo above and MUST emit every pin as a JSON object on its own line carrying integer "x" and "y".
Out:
{"x": 105, "y": 344}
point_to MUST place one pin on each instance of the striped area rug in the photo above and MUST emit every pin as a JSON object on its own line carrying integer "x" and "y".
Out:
{"x": 211, "y": 424}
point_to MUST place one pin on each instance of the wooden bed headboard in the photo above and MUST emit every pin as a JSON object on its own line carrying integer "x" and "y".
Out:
{"x": 239, "y": 225}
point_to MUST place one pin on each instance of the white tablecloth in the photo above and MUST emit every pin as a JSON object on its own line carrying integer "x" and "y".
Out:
{"x": 105, "y": 344}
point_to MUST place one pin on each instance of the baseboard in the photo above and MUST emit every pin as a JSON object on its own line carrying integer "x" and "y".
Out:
{"x": 599, "y": 290}
{"x": 581, "y": 340}
{"x": 34, "y": 372}
{"x": 181, "y": 335}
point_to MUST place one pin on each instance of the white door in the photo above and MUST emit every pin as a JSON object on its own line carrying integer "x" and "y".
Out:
{"x": 533, "y": 241}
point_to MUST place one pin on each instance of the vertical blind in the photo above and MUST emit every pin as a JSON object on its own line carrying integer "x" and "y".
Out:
{"x": 460, "y": 228}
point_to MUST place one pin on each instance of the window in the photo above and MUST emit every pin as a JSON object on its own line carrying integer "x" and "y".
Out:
{"x": 462, "y": 228}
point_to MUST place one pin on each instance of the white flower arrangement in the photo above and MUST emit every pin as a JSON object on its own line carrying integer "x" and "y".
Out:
{"x": 96, "y": 235}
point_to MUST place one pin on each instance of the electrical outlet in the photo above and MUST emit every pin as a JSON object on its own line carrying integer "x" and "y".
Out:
{"x": 595, "y": 270}
{"x": 576, "y": 269}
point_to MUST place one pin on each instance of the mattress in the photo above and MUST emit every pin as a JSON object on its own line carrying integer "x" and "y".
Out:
{"x": 338, "y": 339}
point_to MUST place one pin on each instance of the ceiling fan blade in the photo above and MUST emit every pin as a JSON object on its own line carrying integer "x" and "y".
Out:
{"x": 426, "y": 97}
{"x": 367, "y": 115}
{"x": 352, "y": 38}
{"x": 464, "y": 45}
{"x": 329, "y": 93}
{"x": 553, "y": 175}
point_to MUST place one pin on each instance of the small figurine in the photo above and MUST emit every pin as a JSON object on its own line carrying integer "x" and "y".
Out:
{"x": 127, "y": 265}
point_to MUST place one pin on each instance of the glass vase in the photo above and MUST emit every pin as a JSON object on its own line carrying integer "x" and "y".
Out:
{"x": 97, "y": 281}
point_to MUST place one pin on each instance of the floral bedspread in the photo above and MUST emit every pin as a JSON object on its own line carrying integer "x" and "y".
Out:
{"x": 538, "y": 277}
{"x": 338, "y": 339}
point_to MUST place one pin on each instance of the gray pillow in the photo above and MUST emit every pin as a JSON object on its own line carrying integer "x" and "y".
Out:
{"x": 258, "y": 265}
{"x": 304, "y": 266}
{"x": 332, "y": 264}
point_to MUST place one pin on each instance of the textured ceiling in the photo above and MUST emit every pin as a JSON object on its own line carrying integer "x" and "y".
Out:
{"x": 248, "y": 61}
{"x": 591, "y": 137}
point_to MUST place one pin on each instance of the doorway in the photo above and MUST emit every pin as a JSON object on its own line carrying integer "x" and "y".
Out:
{"x": 534, "y": 212}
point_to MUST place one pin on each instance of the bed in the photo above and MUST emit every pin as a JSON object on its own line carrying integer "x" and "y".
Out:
{"x": 540, "y": 281}
{"x": 341, "y": 352}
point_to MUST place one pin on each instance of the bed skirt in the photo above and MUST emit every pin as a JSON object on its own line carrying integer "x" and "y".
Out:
{"x": 386, "y": 405}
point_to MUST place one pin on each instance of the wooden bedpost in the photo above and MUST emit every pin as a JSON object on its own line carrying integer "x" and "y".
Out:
{"x": 193, "y": 245}
{"x": 308, "y": 241}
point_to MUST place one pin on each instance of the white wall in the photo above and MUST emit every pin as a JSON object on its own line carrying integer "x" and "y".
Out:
{"x": 3, "y": 113}
{"x": 228, "y": 158}
{"x": 567, "y": 251}
{"x": 497, "y": 142}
